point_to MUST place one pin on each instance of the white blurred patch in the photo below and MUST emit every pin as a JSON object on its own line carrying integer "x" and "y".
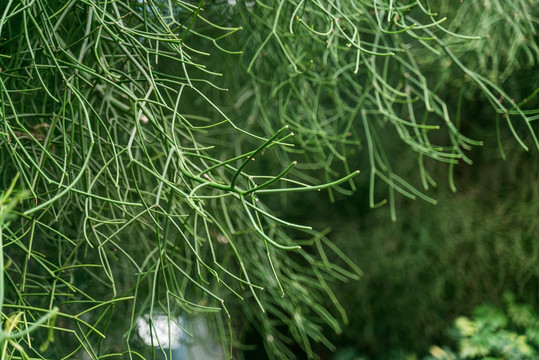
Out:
{"x": 165, "y": 332}
{"x": 193, "y": 343}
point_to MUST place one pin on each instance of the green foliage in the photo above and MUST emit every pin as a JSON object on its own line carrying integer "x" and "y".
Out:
{"x": 156, "y": 142}
{"x": 497, "y": 21}
{"x": 438, "y": 262}
{"x": 15, "y": 325}
{"x": 135, "y": 204}
{"x": 350, "y": 108}
{"x": 493, "y": 334}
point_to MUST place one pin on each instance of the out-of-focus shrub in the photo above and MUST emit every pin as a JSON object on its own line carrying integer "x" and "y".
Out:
{"x": 492, "y": 333}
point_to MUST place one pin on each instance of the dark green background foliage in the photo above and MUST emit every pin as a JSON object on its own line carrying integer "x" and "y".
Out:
{"x": 157, "y": 147}
{"x": 437, "y": 263}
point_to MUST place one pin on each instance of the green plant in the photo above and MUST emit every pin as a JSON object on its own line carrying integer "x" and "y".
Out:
{"x": 492, "y": 334}
{"x": 151, "y": 189}
{"x": 14, "y": 329}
